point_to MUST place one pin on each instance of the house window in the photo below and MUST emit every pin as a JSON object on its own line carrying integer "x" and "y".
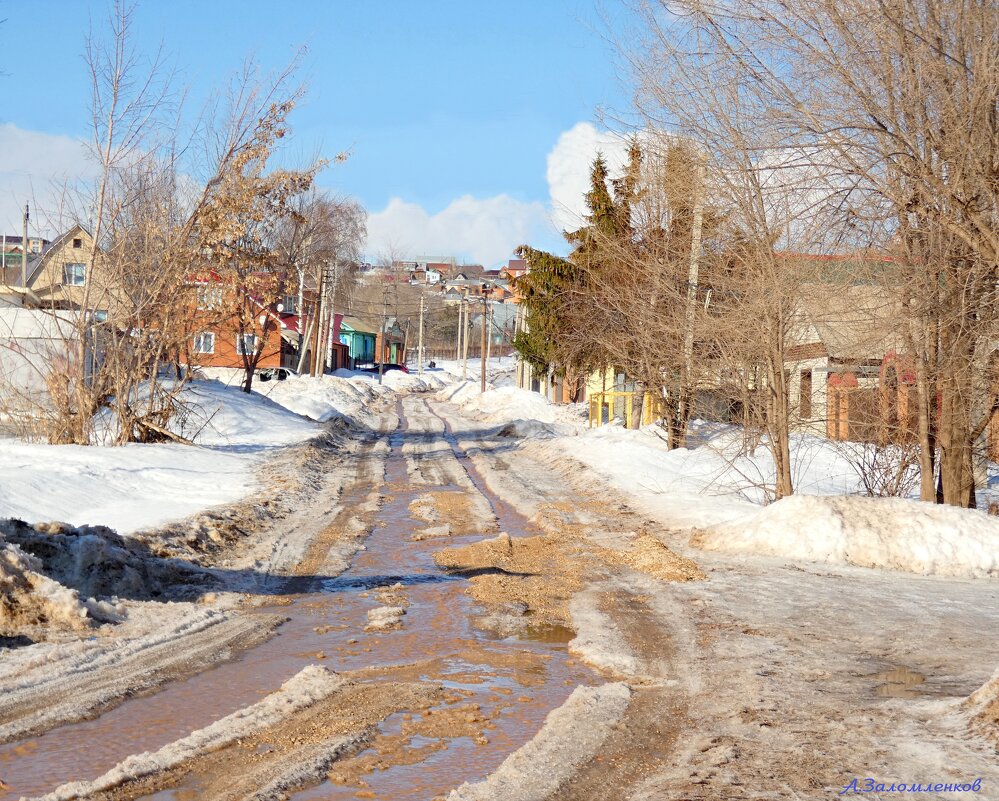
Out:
{"x": 246, "y": 344}
{"x": 74, "y": 274}
{"x": 77, "y": 243}
{"x": 805, "y": 395}
{"x": 290, "y": 303}
{"x": 209, "y": 297}
{"x": 204, "y": 342}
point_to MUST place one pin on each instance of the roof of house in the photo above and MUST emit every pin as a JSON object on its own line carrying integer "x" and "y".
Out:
{"x": 358, "y": 325}
{"x": 12, "y": 272}
{"x": 860, "y": 321}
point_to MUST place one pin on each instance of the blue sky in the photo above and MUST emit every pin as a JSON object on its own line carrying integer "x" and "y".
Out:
{"x": 451, "y": 110}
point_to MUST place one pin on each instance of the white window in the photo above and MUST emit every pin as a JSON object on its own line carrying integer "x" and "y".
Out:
{"x": 290, "y": 304}
{"x": 74, "y": 274}
{"x": 246, "y": 344}
{"x": 204, "y": 342}
{"x": 209, "y": 297}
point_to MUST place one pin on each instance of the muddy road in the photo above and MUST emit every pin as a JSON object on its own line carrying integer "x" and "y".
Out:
{"x": 456, "y": 612}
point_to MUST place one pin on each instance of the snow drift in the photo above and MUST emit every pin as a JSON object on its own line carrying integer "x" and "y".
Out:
{"x": 890, "y": 533}
{"x": 499, "y": 405}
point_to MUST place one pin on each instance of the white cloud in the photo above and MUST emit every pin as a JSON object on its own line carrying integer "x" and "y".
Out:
{"x": 38, "y": 167}
{"x": 569, "y": 166}
{"x": 487, "y": 229}
{"x": 483, "y": 230}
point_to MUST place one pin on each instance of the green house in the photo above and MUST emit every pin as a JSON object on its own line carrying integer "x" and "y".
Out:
{"x": 360, "y": 338}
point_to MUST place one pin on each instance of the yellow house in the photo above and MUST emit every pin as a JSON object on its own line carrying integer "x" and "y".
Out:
{"x": 58, "y": 277}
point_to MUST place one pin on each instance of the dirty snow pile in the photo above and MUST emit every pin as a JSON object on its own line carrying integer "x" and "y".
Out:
{"x": 571, "y": 736}
{"x": 982, "y": 710}
{"x": 384, "y": 617}
{"x": 30, "y": 599}
{"x": 891, "y": 533}
{"x": 498, "y": 405}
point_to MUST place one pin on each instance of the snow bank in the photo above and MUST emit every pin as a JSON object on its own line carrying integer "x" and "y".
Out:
{"x": 143, "y": 486}
{"x": 217, "y": 415}
{"x": 304, "y": 689}
{"x": 888, "y": 533}
{"x": 499, "y": 405}
{"x": 571, "y": 736}
{"x": 345, "y": 394}
{"x": 711, "y": 481}
{"x": 126, "y": 488}
{"x": 323, "y": 398}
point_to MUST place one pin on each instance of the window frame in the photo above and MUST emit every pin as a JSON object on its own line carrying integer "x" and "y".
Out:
{"x": 208, "y": 297}
{"x": 67, "y": 274}
{"x": 199, "y": 342}
{"x": 241, "y": 340}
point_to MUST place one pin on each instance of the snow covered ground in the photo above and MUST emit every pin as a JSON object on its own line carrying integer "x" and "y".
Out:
{"x": 142, "y": 486}
{"x": 716, "y": 486}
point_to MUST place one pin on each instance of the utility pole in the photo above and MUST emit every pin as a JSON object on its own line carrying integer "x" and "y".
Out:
{"x": 485, "y": 338}
{"x": 489, "y": 342}
{"x": 317, "y": 320}
{"x": 461, "y": 325}
{"x": 381, "y": 354}
{"x": 24, "y": 249}
{"x": 468, "y": 332}
{"x": 419, "y": 347}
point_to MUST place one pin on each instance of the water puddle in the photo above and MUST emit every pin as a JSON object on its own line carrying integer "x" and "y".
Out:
{"x": 899, "y": 683}
{"x": 515, "y": 682}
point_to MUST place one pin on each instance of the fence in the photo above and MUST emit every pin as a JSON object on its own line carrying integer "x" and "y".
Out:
{"x": 619, "y": 404}
{"x": 452, "y": 354}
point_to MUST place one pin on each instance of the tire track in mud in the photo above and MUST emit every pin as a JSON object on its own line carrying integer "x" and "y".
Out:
{"x": 91, "y": 690}
{"x": 299, "y": 751}
{"x": 102, "y": 681}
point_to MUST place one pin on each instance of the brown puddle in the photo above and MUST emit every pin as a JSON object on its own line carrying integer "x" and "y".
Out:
{"x": 898, "y": 683}
{"x": 514, "y": 681}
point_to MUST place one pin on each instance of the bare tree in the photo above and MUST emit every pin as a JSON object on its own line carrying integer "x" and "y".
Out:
{"x": 890, "y": 107}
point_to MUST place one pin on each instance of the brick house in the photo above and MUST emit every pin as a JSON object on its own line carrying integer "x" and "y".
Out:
{"x": 841, "y": 341}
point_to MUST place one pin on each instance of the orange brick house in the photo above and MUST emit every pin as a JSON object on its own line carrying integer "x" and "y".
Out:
{"x": 216, "y": 339}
